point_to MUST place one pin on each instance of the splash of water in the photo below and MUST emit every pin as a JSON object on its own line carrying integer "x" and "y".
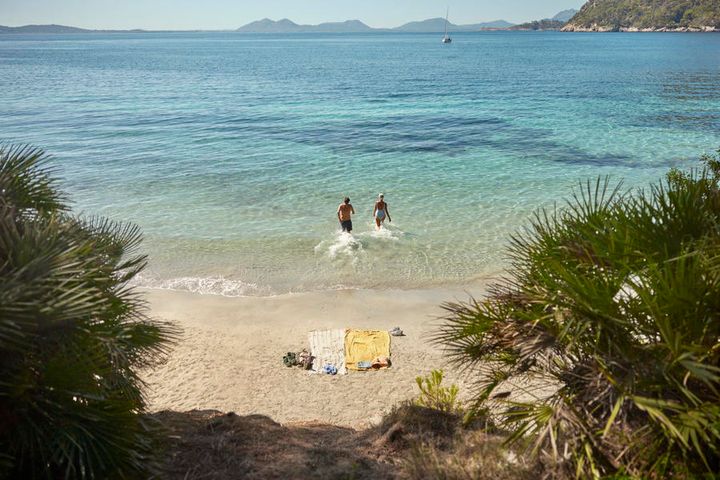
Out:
{"x": 344, "y": 245}
{"x": 386, "y": 232}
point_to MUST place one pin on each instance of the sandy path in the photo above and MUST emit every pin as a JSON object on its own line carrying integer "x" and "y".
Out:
{"x": 230, "y": 356}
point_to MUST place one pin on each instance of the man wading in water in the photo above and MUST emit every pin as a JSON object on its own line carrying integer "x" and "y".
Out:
{"x": 344, "y": 211}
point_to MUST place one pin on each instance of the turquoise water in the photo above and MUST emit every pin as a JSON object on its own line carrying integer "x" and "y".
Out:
{"x": 233, "y": 151}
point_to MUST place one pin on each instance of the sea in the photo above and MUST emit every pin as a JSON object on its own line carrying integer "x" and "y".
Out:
{"x": 233, "y": 151}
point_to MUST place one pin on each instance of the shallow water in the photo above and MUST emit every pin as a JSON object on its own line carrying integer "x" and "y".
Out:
{"x": 233, "y": 151}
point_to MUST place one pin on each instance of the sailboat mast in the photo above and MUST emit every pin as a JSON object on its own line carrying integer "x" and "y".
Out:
{"x": 446, "y": 38}
{"x": 447, "y": 14}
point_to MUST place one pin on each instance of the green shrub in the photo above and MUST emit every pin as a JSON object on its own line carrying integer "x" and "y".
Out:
{"x": 433, "y": 394}
{"x": 613, "y": 304}
{"x": 72, "y": 334}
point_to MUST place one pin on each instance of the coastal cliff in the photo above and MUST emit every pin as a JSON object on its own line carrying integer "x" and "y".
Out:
{"x": 646, "y": 16}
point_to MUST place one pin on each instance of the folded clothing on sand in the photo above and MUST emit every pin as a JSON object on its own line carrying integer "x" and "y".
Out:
{"x": 365, "y": 346}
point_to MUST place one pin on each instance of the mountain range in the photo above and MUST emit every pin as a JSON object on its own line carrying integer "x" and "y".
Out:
{"x": 288, "y": 26}
{"x": 431, "y": 25}
{"x": 355, "y": 26}
{"x": 595, "y": 15}
{"x": 438, "y": 25}
{"x": 266, "y": 25}
{"x": 555, "y": 23}
{"x": 59, "y": 29}
{"x": 42, "y": 29}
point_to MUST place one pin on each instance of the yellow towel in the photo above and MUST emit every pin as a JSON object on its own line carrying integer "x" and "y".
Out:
{"x": 365, "y": 345}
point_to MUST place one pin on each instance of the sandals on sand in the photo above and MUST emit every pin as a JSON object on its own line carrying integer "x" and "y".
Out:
{"x": 290, "y": 360}
{"x": 302, "y": 359}
{"x": 396, "y": 332}
{"x": 305, "y": 359}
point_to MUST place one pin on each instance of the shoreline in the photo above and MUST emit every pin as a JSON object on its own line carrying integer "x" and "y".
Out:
{"x": 229, "y": 357}
{"x": 220, "y": 286}
{"x": 614, "y": 29}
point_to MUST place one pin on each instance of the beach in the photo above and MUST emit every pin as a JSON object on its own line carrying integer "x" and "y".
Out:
{"x": 176, "y": 220}
{"x": 229, "y": 357}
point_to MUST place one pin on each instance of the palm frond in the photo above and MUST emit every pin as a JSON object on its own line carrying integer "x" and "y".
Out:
{"x": 614, "y": 299}
{"x": 26, "y": 182}
{"x": 73, "y": 334}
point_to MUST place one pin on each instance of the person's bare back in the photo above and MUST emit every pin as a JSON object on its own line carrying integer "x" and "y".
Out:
{"x": 344, "y": 212}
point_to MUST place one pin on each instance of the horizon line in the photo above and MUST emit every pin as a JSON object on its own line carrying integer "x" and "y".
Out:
{"x": 211, "y": 29}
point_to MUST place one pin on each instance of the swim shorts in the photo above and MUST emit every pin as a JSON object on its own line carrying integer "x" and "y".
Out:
{"x": 346, "y": 225}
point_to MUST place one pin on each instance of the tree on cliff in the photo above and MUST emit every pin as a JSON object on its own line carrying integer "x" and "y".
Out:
{"x": 647, "y": 14}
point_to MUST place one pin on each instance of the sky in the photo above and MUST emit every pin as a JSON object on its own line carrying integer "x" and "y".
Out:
{"x": 231, "y": 14}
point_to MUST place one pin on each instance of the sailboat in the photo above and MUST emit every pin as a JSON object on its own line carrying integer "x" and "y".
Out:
{"x": 446, "y": 38}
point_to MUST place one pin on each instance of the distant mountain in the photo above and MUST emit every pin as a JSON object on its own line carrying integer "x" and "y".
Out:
{"x": 271, "y": 26}
{"x": 43, "y": 29}
{"x": 565, "y": 15}
{"x": 355, "y": 26}
{"x": 494, "y": 24}
{"x": 555, "y": 23}
{"x": 429, "y": 25}
{"x": 436, "y": 25}
{"x": 349, "y": 26}
{"x": 62, "y": 29}
{"x": 287, "y": 26}
{"x": 646, "y": 15}
{"x": 545, "y": 24}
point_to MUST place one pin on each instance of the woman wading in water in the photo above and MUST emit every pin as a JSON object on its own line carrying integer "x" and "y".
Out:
{"x": 381, "y": 211}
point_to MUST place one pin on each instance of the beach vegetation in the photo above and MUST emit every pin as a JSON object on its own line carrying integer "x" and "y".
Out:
{"x": 433, "y": 443}
{"x": 435, "y": 395}
{"x": 73, "y": 334}
{"x": 474, "y": 454}
{"x": 601, "y": 346}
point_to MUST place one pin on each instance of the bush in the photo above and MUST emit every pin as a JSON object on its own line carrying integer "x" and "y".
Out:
{"x": 434, "y": 395}
{"x": 72, "y": 334}
{"x": 614, "y": 303}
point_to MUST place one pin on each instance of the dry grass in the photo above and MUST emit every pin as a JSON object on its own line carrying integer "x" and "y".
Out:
{"x": 473, "y": 455}
{"x": 213, "y": 445}
{"x": 411, "y": 443}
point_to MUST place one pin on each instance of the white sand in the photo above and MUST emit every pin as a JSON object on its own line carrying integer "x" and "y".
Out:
{"x": 230, "y": 356}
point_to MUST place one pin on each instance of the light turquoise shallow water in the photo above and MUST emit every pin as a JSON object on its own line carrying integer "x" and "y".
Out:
{"x": 233, "y": 151}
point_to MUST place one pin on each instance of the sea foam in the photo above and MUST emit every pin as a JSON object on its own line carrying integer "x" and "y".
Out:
{"x": 342, "y": 247}
{"x": 217, "y": 285}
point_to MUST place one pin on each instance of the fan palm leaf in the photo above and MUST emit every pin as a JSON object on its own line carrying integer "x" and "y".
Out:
{"x": 613, "y": 303}
{"x": 73, "y": 334}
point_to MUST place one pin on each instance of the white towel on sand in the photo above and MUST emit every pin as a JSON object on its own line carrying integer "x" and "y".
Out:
{"x": 328, "y": 347}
